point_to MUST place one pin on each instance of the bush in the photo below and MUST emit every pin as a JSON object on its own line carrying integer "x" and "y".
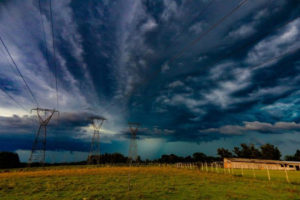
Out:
{"x": 9, "y": 160}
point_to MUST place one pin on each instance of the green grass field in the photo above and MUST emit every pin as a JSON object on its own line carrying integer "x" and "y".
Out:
{"x": 88, "y": 182}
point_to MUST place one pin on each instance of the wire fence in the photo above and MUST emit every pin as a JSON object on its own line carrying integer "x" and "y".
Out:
{"x": 285, "y": 175}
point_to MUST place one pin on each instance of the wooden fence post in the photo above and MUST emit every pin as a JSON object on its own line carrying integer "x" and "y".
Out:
{"x": 214, "y": 167}
{"x": 242, "y": 171}
{"x": 254, "y": 175}
{"x": 268, "y": 173}
{"x": 286, "y": 175}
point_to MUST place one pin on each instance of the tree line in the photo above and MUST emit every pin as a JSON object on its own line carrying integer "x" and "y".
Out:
{"x": 266, "y": 151}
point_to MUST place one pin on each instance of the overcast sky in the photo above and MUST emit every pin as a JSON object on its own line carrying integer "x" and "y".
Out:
{"x": 197, "y": 75}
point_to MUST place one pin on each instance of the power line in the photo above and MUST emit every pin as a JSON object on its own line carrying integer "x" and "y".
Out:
{"x": 179, "y": 54}
{"x": 54, "y": 52}
{"x": 19, "y": 72}
{"x": 195, "y": 41}
{"x": 255, "y": 67}
{"x": 54, "y": 56}
{"x": 216, "y": 61}
{"x": 198, "y": 16}
{"x": 44, "y": 32}
{"x": 12, "y": 98}
{"x": 246, "y": 45}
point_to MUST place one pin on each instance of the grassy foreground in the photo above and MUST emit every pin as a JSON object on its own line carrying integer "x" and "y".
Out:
{"x": 87, "y": 183}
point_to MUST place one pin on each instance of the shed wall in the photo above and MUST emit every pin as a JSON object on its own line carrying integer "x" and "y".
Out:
{"x": 254, "y": 165}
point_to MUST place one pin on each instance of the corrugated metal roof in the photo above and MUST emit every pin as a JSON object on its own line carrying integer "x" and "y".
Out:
{"x": 262, "y": 161}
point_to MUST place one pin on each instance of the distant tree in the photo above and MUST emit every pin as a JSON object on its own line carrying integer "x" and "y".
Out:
{"x": 224, "y": 153}
{"x": 212, "y": 159}
{"x": 9, "y": 160}
{"x": 237, "y": 152}
{"x": 116, "y": 158}
{"x": 188, "y": 159}
{"x": 289, "y": 158}
{"x": 199, "y": 157}
{"x": 147, "y": 161}
{"x": 255, "y": 153}
{"x": 244, "y": 152}
{"x": 270, "y": 152}
{"x": 138, "y": 159}
{"x": 172, "y": 158}
{"x": 109, "y": 158}
{"x": 247, "y": 151}
{"x": 295, "y": 157}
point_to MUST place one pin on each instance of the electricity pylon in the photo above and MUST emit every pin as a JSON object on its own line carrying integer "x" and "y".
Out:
{"x": 38, "y": 151}
{"x": 94, "y": 155}
{"x": 132, "y": 154}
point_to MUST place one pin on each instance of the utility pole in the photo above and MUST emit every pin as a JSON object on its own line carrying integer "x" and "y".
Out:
{"x": 94, "y": 155}
{"x": 132, "y": 154}
{"x": 38, "y": 152}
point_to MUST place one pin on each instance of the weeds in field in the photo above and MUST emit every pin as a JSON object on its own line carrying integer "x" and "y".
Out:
{"x": 154, "y": 182}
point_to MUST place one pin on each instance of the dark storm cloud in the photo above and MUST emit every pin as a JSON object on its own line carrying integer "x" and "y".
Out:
{"x": 113, "y": 59}
{"x": 244, "y": 84}
{"x": 64, "y": 133}
{"x": 66, "y": 122}
{"x": 255, "y": 126}
{"x": 9, "y": 143}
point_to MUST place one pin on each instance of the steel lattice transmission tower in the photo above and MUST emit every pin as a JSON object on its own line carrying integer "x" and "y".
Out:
{"x": 132, "y": 154}
{"x": 38, "y": 151}
{"x": 94, "y": 155}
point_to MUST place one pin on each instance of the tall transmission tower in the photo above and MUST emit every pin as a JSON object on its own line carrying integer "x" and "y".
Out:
{"x": 38, "y": 151}
{"x": 94, "y": 155}
{"x": 132, "y": 154}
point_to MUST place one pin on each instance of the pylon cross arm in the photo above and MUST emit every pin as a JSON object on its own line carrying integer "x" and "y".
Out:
{"x": 133, "y": 130}
{"x": 44, "y": 121}
{"x": 97, "y": 126}
{"x": 133, "y": 127}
